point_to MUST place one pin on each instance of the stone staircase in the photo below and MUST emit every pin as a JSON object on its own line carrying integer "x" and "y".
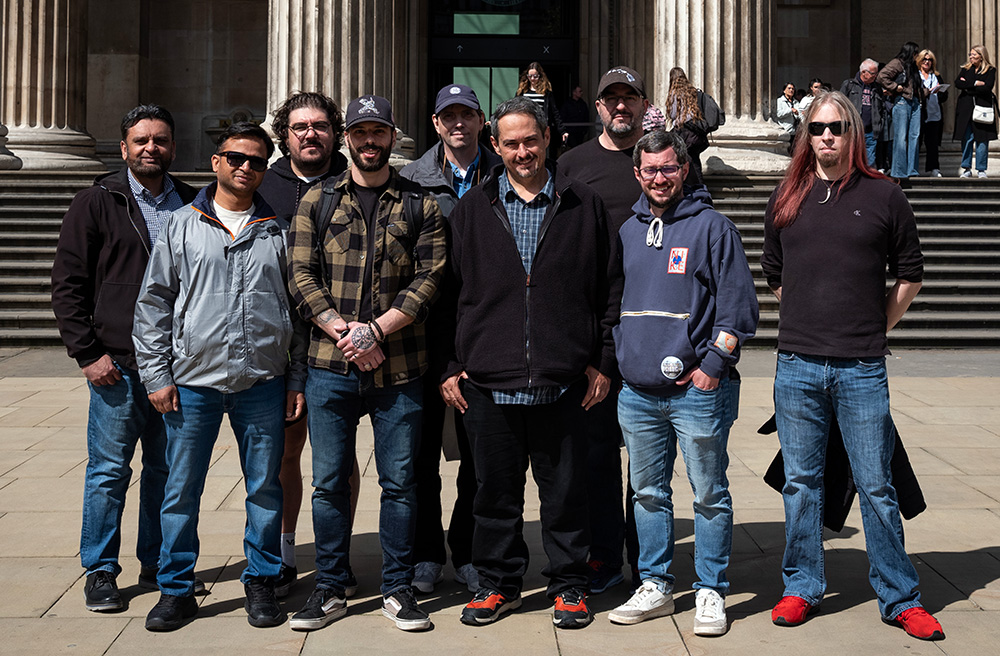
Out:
{"x": 959, "y": 222}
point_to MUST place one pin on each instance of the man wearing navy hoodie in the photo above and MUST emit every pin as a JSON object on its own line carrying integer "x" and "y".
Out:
{"x": 688, "y": 305}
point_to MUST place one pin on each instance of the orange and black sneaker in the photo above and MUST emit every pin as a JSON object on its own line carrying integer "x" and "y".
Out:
{"x": 487, "y": 606}
{"x": 571, "y": 610}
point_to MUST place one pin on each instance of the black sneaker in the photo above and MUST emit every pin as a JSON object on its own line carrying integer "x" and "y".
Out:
{"x": 351, "y": 585}
{"x": 147, "y": 580}
{"x": 170, "y": 612}
{"x": 401, "y": 607}
{"x": 101, "y": 592}
{"x": 571, "y": 611}
{"x": 261, "y": 604}
{"x": 603, "y": 576}
{"x": 286, "y": 579}
{"x": 322, "y": 607}
{"x": 487, "y": 606}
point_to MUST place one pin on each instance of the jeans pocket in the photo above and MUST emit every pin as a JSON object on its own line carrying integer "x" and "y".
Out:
{"x": 786, "y": 356}
{"x": 872, "y": 363}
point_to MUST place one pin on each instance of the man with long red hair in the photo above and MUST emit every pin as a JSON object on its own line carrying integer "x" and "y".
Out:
{"x": 832, "y": 227}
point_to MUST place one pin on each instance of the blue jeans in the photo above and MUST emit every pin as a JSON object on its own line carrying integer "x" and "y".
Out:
{"x": 336, "y": 403}
{"x": 257, "y": 416}
{"x": 906, "y": 137}
{"x": 698, "y": 422}
{"x": 808, "y": 392}
{"x": 982, "y": 150}
{"x": 870, "y": 143}
{"x": 120, "y": 417}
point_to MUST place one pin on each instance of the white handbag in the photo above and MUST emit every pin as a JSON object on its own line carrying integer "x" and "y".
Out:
{"x": 982, "y": 114}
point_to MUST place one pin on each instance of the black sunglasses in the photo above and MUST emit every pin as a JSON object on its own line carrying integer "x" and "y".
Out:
{"x": 236, "y": 160}
{"x": 837, "y": 128}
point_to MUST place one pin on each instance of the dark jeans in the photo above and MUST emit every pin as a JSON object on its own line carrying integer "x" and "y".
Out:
{"x": 604, "y": 481}
{"x": 429, "y": 539}
{"x": 931, "y": 136}
{"x": 504, "y": 439}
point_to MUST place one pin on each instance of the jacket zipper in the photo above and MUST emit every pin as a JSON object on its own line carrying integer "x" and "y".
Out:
{"x": 657, "y": 313}
{"x": 128, "y": 209}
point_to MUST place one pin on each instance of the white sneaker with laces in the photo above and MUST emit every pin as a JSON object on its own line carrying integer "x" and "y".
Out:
{"x": 982, "y": 174}
{"x": 709, "y": 613}
{"x": 966, "y": 173}
{"x": 426, "y": 575}
{"x": 647, "y": 602}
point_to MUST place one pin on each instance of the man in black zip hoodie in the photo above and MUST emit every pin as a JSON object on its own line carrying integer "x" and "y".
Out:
{"x": 104, "y": 247}
{"x": 533, "y": 350}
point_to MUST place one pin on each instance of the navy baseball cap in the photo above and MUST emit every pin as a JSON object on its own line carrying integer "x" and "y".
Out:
{"x": 369, "y": 108}
{"x": 456, "y": 94}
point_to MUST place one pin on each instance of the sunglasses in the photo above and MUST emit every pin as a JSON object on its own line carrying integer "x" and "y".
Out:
{"x": 237, "y": 160}
{"x": 837, "y": 128}
{"x": 649, "y": 173}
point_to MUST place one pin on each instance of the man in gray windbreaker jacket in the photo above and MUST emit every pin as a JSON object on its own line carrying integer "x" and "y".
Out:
{"x": 213, "y": 331}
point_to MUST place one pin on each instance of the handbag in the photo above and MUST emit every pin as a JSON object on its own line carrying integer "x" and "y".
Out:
{"x": 982, "y": 114}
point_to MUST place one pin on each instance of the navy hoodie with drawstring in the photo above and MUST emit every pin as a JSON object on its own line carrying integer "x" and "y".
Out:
{"x": 689, "y": 298}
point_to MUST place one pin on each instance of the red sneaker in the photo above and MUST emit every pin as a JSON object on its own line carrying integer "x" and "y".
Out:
{"x": 792, "y": 611}
{"x": 918, "y": 623}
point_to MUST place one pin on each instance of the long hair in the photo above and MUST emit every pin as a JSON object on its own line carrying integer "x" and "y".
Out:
{"x": 929, "y": 53}
{"x": 682, "y": 98}
{"x": 801, "y": 173}
{"x": 985, "y": 65}
{"x": 907, "y": 56}
{"x": 524, "y": 86}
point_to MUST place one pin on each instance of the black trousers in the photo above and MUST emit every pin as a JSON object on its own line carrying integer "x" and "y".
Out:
{"x": 429, "y": 538}
{"x": 504, "y": 439}
{"x": 931, "y": 136}
{"x": 604, "y": 481}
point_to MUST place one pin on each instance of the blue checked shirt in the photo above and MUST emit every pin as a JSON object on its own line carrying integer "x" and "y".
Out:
{"x": 460, "y": 184}
{"x": 155, "y": 209}
{"x": 525, "y": 224}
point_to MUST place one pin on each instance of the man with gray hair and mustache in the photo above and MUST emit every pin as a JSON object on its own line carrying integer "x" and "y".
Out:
{"x": 866, "y": 96}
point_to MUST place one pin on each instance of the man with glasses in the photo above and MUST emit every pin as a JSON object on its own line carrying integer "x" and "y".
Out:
{"x": 213, "y": 330}
{"x": 605, "y": 163}
{"x": 309, "y": 130}
{"x": 866, "y": 95}
{"x": 832, "y": 227}
{"x": 688, "y": 305}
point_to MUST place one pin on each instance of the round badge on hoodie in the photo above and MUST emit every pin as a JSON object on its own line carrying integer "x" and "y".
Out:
{"x": 671, "y": 367}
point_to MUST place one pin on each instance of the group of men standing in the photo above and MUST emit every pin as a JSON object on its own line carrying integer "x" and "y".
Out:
{"x": 559, "y": 309}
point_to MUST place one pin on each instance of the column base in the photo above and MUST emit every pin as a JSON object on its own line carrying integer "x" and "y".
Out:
{"x": 54, "y": 149}
{"x": 747, "y": 146}
{"x": 8, "y": 160}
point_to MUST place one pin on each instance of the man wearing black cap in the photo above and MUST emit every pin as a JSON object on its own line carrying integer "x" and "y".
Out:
{"x": 366, "y": 253}
{"x": 447, "y": 170}
{"x": 605, "y": 163}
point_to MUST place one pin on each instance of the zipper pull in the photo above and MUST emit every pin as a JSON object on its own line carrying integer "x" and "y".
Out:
{"x": 527, "y": 281}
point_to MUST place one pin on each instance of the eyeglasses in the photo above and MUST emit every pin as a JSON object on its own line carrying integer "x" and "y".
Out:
{"x": 301, "y": 129}
{"x": 534, "y": 76}
{"x": 614, "y": 101}
{"x": 649, "y": 173}
{"x": 837, "y": 128}
{"x": 237, "y": 160}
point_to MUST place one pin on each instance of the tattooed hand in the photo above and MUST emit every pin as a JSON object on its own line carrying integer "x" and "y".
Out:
{"x": 358, "y": 342}
{"x": 363, "y": 338}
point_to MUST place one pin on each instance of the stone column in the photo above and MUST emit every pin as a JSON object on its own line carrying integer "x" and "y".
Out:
{"x": 44, "y": 70}
{"x": 8, "y": 160}
{"x": 344, "y": 49}
{"x": 725, "y": 48}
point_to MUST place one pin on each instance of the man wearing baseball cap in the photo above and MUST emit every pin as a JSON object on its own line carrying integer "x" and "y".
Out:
{"x": 446, "y": 171}
{"x": 367, "y": 250}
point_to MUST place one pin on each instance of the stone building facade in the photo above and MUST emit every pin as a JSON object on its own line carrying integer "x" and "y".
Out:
{"x": 71, "y": 68}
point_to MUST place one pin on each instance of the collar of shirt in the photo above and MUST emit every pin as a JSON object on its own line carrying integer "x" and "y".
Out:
{"x": 509, "y": 196}
{"x": 140, "y": 192}
{"x": 461, "y": 183}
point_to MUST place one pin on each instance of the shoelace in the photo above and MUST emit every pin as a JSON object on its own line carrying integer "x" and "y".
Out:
{"x": 654, "y": 235}
{"x": 708, "y": 602}
{"x": 572, "y": 597}
{"x": 258, "y": 592}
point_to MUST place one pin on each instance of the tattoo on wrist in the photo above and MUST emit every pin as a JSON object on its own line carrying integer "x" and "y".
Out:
{"x": 327, "y": 316}
{"x": 363, "y": 338}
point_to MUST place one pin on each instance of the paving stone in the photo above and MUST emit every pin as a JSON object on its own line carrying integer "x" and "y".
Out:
{"x": 208, "y": 635}
{"x": 42, "y": 494}
{"x": 27, "y": 416}
{"x": 48, "y": 463}
{"x": 46, "y": 636}
{"x": 32, "y": 585}
{"x": 40, "y": 534}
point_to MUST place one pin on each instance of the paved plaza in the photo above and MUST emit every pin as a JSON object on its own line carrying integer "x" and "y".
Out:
{"x": 944, "y": 403}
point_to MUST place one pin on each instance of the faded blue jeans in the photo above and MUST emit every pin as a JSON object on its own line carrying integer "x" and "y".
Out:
{"x": 982, "y": 149}
{"x": 808, "y": 392}
{"x": 906, "y": 137}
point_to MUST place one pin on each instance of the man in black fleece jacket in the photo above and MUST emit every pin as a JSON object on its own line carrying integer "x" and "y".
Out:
{"x": 533, "y": 350}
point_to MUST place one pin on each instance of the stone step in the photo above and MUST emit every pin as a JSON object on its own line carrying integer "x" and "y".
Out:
{"x": 25, "y": 301}
{"x": 932, "y": 257}
{"x": 921, "y": 320}
{"x": 43, "y": 254}
{"x": 27, "y": 319}
{"x": 908, "y": 338}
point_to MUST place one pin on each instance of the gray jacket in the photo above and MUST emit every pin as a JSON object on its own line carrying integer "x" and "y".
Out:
{"x": 213, "y": 311}
{"x": 431, "y": 173}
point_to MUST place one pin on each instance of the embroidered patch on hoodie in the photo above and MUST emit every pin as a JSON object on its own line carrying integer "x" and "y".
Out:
{"x": 726, "y": 342}
{"x": 678, "y": 260}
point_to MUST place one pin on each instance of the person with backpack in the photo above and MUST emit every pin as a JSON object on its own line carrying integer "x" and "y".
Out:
{"x": 693, "y": 116}
{"x": 366, "y": 254}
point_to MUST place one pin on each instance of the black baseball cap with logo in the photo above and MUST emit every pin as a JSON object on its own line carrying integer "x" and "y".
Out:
{"x": 369, "y": 108}
{"x": 621, "y": 75}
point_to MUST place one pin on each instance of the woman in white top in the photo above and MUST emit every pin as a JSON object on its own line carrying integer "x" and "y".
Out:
{"x": 786, "y": 114}
{"x": 815, "y": 86}
{"x": 932, "y": 119}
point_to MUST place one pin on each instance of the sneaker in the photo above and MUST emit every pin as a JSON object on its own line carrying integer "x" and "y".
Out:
{"x": 401, "y": 607}
{"x": 982, "y": 174}
{"x": 147, "y": 580}
{"x": 966, "y": 173}
{"x": 792, "y": 611}
{"x": 468, "y": 575}
{"x": 936, "y": 173}
{"x": 101, "y": 592}
{"x": 571, "y": 610}
{"x": 426, "y": 575}
{"x": 487, "y": 606}
{"x": 261, "y": 604}
{"x": 287, "y": 576}
{"x": 350, "y": 585}
{"x": 918, "y": 623}
{"x": 322, "y": 607}
{"x": 710, "y": 613}
{"x": 603, "y": 576}
{"x": 170, "y": 612}
{"x": 647, "y": 602}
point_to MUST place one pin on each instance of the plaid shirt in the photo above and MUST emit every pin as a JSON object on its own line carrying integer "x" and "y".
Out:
{"x": 525, "y": 223}
{"x": 155, "y": 209}
{"x": 406, "y": 271}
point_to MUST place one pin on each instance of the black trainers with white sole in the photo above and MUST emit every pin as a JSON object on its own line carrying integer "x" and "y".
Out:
{"x": 322, "y": 607}
{"x": 401, "y": 607}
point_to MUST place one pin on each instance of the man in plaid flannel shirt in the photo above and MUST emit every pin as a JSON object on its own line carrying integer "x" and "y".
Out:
{"x": 366, "y": 290}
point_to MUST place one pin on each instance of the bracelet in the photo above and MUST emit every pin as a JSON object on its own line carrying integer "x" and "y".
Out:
{"x": 377, "y": 329}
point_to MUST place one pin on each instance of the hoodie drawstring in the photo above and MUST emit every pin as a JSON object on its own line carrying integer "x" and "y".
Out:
{"x": 654, "y": 235}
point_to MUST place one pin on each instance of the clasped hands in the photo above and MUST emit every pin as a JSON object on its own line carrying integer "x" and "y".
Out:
{"x": 359, "y": 345}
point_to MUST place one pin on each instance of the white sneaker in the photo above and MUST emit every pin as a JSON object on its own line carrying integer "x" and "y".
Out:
{"x": 710, "y": 613}
{"x": 647, "y": 602}
{"x": 426, "y": 575}
{"x": 468, "y": 575}
{"x": 936, "y": 173}
{"x": 982, "y": 174}
{"x": 966, "y": 173}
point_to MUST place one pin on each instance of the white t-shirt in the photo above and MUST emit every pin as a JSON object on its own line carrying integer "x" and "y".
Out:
{"x": 234, "y": 221}
{"x": 933, "y": 106}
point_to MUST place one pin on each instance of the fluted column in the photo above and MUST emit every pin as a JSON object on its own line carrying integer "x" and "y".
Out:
{"x": 8, "y": 160}
{"x": 725, "y": 47}
{"x": 44, "y": 70}
{"x": 344, "y": 49}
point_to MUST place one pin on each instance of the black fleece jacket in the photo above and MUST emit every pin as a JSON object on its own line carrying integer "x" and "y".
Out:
{"x": 516, "y": 331}
{"x": 283, "y": 190}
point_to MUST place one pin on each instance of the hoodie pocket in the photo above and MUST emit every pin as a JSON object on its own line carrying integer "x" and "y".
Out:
{"x": 653, "y": 347}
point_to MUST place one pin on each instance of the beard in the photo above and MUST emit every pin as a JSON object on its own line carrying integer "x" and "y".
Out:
{"x": 147, "y": 169}
{"x": 621, "y": 130}
{"x": 828, "y": 160}
{"x": 369, "y": 166}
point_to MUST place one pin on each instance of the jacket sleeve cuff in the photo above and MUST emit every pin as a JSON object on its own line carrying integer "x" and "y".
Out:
{"x": 158, "y": 382}
{"x": 315, "y": 304}
{"x": 90, "y": 355}
{"x": 451, "y": 369}
{"x": 713, "y": 365}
